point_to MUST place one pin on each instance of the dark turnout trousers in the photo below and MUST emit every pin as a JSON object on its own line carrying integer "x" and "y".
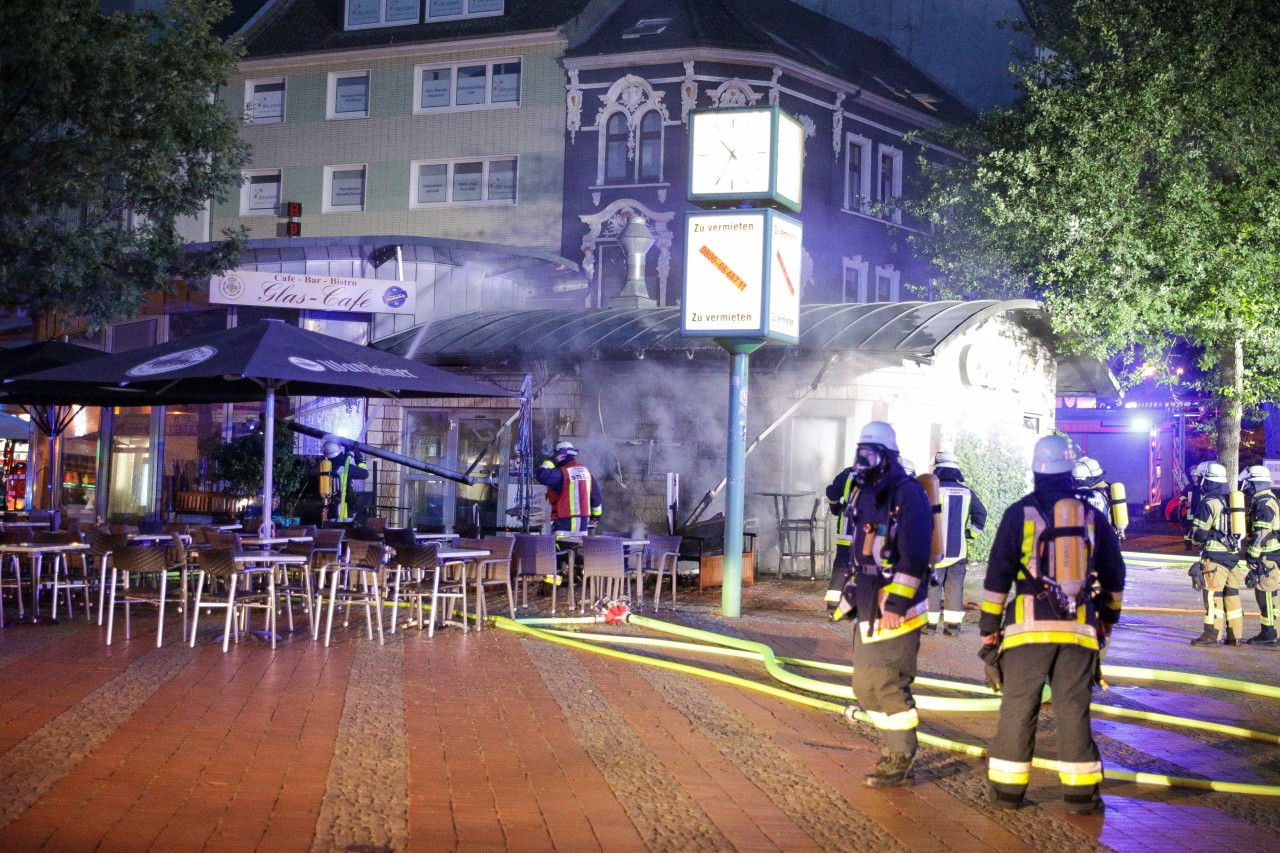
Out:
{"x": 882, "y": 676}
{"x": 1069, "y": 671}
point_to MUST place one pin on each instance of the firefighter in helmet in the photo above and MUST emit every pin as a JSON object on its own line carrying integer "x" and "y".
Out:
{"x": 1062, "y": 584}
{"x": 890, "y": 522}
{"x": 339, "y": 469}
{"x": 573, "y": 493}
{"x": 1090, "y": 477}
{"x": 1262, "y": 549}
{"x": 1218, "y": 573}
{"x": 1190, "y": 500}
{"x": 963, "y": 517}
{"x": 839, "y": 493}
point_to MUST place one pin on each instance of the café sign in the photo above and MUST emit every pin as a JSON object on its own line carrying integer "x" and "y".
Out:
{"x": 312, "y": 292}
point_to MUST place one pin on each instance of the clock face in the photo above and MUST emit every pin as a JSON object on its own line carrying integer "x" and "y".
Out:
{"x": 731, "y": 152}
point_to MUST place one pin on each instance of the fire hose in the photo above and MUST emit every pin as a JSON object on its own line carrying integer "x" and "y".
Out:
{"x": 712, "y": 643}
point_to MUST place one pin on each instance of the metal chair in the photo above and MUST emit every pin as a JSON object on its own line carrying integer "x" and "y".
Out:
{"x": 63, "y": 578}
{"x": 660, "y": 557}
{"x": 130, "y": 569}
{"x": 218, "y": 566}
{"x": 432, "y": 582}
{"x": 801, "y": 538}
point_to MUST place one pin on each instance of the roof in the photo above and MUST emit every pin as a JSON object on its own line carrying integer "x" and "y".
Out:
{"x": 316, "y": 26}
{"x": 765, "y": 26}
{"x": 913, "y": 329}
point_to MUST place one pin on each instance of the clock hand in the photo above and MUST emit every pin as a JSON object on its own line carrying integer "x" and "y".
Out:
{"x": 732, "y": 155}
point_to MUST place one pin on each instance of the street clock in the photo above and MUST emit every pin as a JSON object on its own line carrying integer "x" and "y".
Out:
{"x": 745, "y": 155}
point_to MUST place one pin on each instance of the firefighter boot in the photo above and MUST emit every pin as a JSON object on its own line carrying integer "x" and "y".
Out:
{"x": 1208, "y": 638}
{"x": 1232, "y": 639}
{"x": 892, "y": 769}
{"x": 950, "y": 629}
{"x": 1266, "y": 637}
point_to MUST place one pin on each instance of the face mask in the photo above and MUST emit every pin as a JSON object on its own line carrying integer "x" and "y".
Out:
{"x": 867, "y": 465}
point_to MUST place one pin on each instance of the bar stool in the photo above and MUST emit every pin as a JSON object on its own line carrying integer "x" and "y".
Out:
{"x": 804, "y": 537}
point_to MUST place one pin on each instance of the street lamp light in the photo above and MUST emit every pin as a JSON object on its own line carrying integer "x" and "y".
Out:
{"x": 636, "y": 241}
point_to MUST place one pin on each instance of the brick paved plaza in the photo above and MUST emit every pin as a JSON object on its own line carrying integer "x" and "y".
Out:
{"x": 494, "y": 741}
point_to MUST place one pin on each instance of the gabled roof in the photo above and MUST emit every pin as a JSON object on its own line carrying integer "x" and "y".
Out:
{"x": 316, "y": 26}
{"x": 774, "y": 27}
{"x": 912, "y": 329}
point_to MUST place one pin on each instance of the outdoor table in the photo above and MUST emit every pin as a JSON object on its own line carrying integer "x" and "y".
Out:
{"x": 36, "y": 553}
{"x": 272, "y": 540}
{"x": 782, "y": 512}
{"x": 268, "y": 561}
{"x": 435, "y": 537}
{"x": 152, "y": 538}
{"x": 466, "y": 557}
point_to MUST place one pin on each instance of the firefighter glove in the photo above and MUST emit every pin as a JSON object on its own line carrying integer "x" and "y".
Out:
{"x": 1197, "y": 576}
{"x": 1251, "y": 579}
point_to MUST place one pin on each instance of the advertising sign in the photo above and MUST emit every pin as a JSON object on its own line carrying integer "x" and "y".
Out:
{"x": 312, "y": 292}
{"x": 742, "y": 275}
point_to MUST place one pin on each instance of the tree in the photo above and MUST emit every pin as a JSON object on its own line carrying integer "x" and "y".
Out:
{"x": 240, "y": 463}
{"x": 1135, "y": 187}
{"x": 110, "y": 134}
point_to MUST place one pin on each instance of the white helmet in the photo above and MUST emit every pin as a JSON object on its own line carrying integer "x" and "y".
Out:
{"x": 908, "y": 466}
{"x": 1198, "y": 471}
{"x": 1080, "y": 472}
{"x": 942, "y": 459}
{"x": 879, "y": 432}
{"x": 1259, "y": 475}
{"x": 1095, "y": 470}
{"x": 1214, "y": 473}
{"x": 1052, "y": 455}
{"x": 566, "y": 447}
{"x": 331, "y": 446}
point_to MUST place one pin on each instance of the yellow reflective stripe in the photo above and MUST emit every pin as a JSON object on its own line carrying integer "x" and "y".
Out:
{"x": 899, "y": 722}
{"x": 1068, "y": 638}
{"x": 910, "y": 624}
{"x": 1078, "y": 767}
{"x": 844, "y": 540}
{"x": 992, "y": 607}
{"x": 904, "y": 579}
{"x": 1020, "y": 609}
{"x": 900, "y": 589}
{"x": 1008, "y": 772}
{"x": 1079, "y": 779}
{"x": 1236, "y": 614}
{"x": 832, "y": 595}
{"x": 1113, "y": 603}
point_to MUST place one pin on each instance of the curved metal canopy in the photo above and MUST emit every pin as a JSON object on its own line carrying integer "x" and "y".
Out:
{"x": 914, "y": 329}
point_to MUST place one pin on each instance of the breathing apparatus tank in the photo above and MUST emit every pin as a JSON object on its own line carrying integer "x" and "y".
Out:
{"x": 931, "y": 488}
{"x": 1235, "y": 513}
{"x": 1069, "y": 554}
{"x": 1119, "y": 506}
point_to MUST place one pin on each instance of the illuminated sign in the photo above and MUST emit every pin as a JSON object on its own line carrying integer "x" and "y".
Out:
{"x": 313, "y": 292}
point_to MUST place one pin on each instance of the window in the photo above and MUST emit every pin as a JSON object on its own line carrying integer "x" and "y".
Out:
{"x": 260, "y": 193}
{"x": 343, "y": 189}
{"x": 855, "y": 279}
{"x": 441, "y": 10}
{"x": 382, "y": 13}
{"x": 623, "y": 166}
{"x": 646, "y": 27}
{"x": 891, "y": 180}
{"x": 857, "y": 173}
{"x": 348, "y": 95}
{"x": 491, "y": 181}
{"x": 264, "y": 101}
{"x": 475, "y": 86}
{"x": 885, "y": 286}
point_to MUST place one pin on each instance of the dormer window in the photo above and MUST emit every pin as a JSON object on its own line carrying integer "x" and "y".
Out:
{"x": 382, "y": 13}
{"x": 646, "y": 27}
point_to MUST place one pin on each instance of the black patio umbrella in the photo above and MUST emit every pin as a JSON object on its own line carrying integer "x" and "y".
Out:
{"x": 247, "y": 363}
{"x": 52, "y": 419}
{"x": 14, "y": 429}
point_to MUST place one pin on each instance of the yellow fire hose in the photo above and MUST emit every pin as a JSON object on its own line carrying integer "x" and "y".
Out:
{"x": 708, "y": 642}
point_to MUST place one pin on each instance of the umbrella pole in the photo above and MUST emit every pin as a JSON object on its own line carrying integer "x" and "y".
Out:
{"x": 268, "y": 458}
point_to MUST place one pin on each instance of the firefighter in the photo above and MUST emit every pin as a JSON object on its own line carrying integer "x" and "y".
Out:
{"x": 1218, "y": 573}
{"x": 1050, "y": 550}
{"x": 840, "y": 493}
{"x": 1088, "y": 475}
{"x": 339, "y": 469}
{"x": 891, "y": 524}
{"x": 1190, "y": 500}
{"x": 573, "y": 493}
{"x": 963, "y": 517}
{"x": 1262, "y": 551}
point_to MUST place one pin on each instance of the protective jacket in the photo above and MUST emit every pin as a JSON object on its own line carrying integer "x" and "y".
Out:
{"x": 969, "y": 520}
{"x": 572, "y": 492}
{"x": 1016, "y": 564}
{"x": 1210, "y": 525}
{"x": 1264, "y": 526}
{"x": 892, "y": 526}
{"x": 838, "y": 494}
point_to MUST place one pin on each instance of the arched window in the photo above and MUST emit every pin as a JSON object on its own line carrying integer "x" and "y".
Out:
{"x": 615, "y": 150}
{"x": 650, "y": 165}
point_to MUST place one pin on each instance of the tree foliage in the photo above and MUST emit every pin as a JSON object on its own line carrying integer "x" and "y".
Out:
{"x": 240, "y": 463}
{"x": 1135, "y": 187}
{"x": 109, "y": 134}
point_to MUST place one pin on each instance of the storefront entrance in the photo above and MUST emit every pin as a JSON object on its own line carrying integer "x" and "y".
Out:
{"x": 452, "y": 439}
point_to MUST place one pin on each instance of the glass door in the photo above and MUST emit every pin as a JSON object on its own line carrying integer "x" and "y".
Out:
{"x": 453, "y": 439}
